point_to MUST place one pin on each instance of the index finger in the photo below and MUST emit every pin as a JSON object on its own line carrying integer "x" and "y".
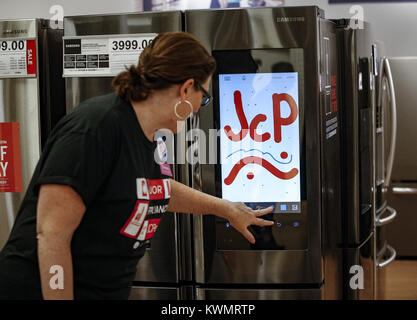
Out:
{"x": 262, "y": 212}
{"x": 249, "y": 236}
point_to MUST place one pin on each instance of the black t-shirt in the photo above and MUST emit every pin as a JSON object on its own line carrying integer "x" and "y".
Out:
{"x": 99, "y": 150}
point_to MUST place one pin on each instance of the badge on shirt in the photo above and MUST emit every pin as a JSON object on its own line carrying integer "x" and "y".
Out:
{"x": 133, "y": 226}
{"x": 153, "y": 189}
{"x": 163, "y": 156}
{"x": 139, "y": 226}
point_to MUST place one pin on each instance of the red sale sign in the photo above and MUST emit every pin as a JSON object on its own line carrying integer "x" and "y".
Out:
{"x": 10, "y": 165}
{"x": 31, "y": 57}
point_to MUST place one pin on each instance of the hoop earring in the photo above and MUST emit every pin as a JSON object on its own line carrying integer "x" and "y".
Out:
{"x": 177, "y": 104}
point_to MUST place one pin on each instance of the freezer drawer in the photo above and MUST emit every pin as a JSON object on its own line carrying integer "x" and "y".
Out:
{"x": 384, "y": 257}
{"x": 401, "y": 233}
{"x": 385, "y": 252}
{"x": 154, "y": 293}
{"x": 259, "y": 294}
{"x": 364, "y": 257}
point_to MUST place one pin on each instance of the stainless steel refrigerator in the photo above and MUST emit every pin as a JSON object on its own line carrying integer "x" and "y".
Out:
{"x": 386, "y": 152}
{"x": 31, "y": 99}
{"x": 275, "y": 117}
{"x": 402, "y": 193}
{"x": 96, "y": 48}
{"x": 358, "y": 69}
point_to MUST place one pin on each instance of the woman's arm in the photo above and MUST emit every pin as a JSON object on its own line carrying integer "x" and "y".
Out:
{"x": 59, "y": 212}
{"x": 188, "y": 200}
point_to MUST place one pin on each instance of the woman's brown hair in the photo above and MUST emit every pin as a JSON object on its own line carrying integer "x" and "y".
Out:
{"x": 172, "y": 58}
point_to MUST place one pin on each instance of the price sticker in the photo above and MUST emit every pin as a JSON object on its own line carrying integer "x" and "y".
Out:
{"x": 17, "y": 58}
{"x": 129, "y": 44}
{"x": 103, "y": 55}
{"x": 15, "y": 45}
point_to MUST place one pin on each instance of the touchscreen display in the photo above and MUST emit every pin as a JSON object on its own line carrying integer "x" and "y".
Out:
{"x": 260, "y": 139}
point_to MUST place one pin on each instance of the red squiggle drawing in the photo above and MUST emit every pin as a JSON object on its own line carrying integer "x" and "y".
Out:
{"x": 242, "y": 119}
{"x": 279, "y": 121}
{"x": 264, "y": 163}
{"x": 252, "y": 129}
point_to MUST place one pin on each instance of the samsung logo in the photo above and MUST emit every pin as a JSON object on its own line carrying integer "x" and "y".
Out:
{"x": 290, "y": 19}
{"x": 17, "y": 31}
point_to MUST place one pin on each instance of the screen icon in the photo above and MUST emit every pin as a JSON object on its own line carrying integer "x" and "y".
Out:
{"x": 283, "y": 207}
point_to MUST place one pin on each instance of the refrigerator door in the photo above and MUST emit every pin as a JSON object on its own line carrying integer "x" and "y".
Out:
{"x": 402, "y": 194}
{"x": 19, "y": 102}
{"x": 357, "y": 135}
{"x": 404, "y": 75}
{"x": 267, "y": 40}
{"x": 159, "y": 265}
{"x": 332, "y": 216}
{"x": 35, "y": 102}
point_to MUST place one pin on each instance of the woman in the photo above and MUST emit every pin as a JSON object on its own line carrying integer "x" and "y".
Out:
{"x": 82, "y": 226}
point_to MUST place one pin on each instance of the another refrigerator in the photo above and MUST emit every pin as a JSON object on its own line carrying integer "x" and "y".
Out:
{"x": 358, "y": 69}
{"x": 32, "y": 100}
{"x": 275, "y": 123}
{"x": 96, "y": 48}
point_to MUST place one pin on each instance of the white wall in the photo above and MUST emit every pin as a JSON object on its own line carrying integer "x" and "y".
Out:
{"x": 17, "y": 9}
{"x": 393, "y": 23}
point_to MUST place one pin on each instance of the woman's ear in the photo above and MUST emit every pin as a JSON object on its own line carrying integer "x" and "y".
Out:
{"x": 185, "y": 88}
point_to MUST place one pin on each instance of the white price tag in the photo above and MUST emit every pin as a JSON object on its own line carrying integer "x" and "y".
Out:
{"x": 103, "y": 55}
{"x": 17, "y": 58}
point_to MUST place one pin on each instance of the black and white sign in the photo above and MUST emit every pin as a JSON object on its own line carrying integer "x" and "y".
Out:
{"x": 17, "y": 58}
{"x": 103, "y": 55}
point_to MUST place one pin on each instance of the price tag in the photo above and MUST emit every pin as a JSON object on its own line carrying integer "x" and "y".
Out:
{"x": 103, "y": 55}
{"x": 17, "y": 58}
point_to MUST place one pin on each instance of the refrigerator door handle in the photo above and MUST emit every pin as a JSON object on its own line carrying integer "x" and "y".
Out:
{"x": 389, "y": 260}
{"x": 374, "y": 60}
{"x": 379, "y": 221}
{"x": 404, "y": 190}
{"x": 196, "y": 183}
{"x": 393, "y": 106}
